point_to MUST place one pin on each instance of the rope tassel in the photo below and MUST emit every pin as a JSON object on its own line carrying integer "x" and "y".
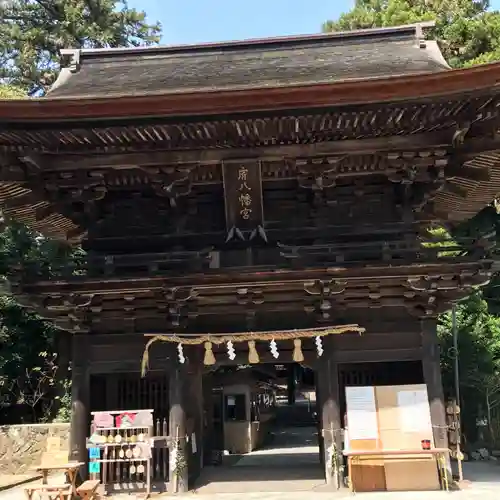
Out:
{"x": 209, "y": 355}
{"x": 253, "y": 355}
{"x": 297, "y": 351}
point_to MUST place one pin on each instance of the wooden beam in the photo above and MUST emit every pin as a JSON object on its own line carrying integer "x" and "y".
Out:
{"x": 244, "y": 277}
{"x": 265, "y": 357}
{"x": 298, "y": 232}
{"x": 467, "y": 173}
{"x": 378, "y": 355}
{"x": 474, "y": 145}
{"x": 23, "y": 200}
{"x": 265, "y": 153}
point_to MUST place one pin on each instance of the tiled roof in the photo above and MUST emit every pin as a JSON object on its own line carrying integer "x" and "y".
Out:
{"x": 267, "y": 63}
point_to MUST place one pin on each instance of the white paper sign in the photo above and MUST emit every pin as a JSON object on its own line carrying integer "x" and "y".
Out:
{"x": 414, "y": 411}
{"x": 361, "y": 413}
{"x": 231, "y": 401}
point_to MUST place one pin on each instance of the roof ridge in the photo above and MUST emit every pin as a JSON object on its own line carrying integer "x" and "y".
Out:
{"x": 414, "y": 30}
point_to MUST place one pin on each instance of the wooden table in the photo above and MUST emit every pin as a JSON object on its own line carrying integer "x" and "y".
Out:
{"x": 70, "y": 468}
{"x": 441, "y": 455}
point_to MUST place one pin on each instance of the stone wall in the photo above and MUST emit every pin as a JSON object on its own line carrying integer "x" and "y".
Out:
{"x": 21, "y": 446}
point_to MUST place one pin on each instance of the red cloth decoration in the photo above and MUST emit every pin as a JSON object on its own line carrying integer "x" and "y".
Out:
{"x": 125, "y": 420}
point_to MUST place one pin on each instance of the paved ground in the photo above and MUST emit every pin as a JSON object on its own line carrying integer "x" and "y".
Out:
{"x": 289, "y": 463}
{"x": 17, "y": 493}
{"x": 484, "y": 477}
{"x": 289, "y": 469}
{"x": 10, "y": 480}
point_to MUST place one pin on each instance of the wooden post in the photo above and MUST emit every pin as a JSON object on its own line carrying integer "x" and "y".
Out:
{"x": 432, "y": 377}
{"x": 291, "y": 383}
{"x": 80, "y": 401}
{"x": 328, "y": 374}
{"x": 319, "y": 380}
{"x": 178, "y": 480}
{"x": 195, "y": 391}
{"x": 208, "y": 418}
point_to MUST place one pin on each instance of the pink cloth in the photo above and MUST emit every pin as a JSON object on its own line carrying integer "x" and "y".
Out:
{"x": 103, "y": 420}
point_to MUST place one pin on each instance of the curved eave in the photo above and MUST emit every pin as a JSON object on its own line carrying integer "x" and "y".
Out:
{"x": 353, "y": 92}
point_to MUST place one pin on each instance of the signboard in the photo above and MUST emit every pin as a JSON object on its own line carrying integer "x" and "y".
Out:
{"x": 414, "y": 411}
{"x": 53, "y": 444}
{"x": 361, "y": 413}
{"x": 243, "y": 195}
{"x": 94, "y": 467}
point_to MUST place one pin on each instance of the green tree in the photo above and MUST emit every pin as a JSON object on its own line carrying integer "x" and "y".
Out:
{"x": 467, "y": 32}
{"x": 32, "y": 33}
{"x": 32, "y": 373}
{"x": 479, "y": 354}
{"x": 32, "y": 376}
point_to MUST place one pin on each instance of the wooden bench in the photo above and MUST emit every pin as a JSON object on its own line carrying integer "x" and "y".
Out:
{"x": 53, "y": 491}
{"x": 88, "y": 489}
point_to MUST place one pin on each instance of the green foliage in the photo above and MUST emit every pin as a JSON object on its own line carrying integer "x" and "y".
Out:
{"x": 479, "y": 341}
{"x": 479, "y": 356}
{"x": 439, "y": 237}
{"x": 28, "y": 345}
{"x": 63, "y": 413}
{"x": 466, "y": 31}
{"x": 11, "y": 92}
{"x": 33, "y": 32}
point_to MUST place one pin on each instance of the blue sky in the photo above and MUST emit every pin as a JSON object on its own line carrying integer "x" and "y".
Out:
{"x": 195, "y": 21}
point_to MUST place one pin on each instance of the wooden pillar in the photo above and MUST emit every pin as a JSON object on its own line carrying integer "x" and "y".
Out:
{"x": 432, "y": 377}
{"x": 208, "y": 418}
{"x": 80, "y": 400}
{"x": 328, "y": 375}
{"x": 291, "y": 384}
{"x": 195, "y": 402}
{"x": 319, "y": 381}
{"x": 178, "y": 480}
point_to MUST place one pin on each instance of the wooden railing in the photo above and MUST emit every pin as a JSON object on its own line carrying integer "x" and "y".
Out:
{"x": 279, "y": 256}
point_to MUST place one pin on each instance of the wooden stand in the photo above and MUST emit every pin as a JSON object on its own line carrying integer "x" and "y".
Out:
{"x": 357, "y": 457}
{"x": 391, "y": 445}
{"x": 127, "y": 446}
